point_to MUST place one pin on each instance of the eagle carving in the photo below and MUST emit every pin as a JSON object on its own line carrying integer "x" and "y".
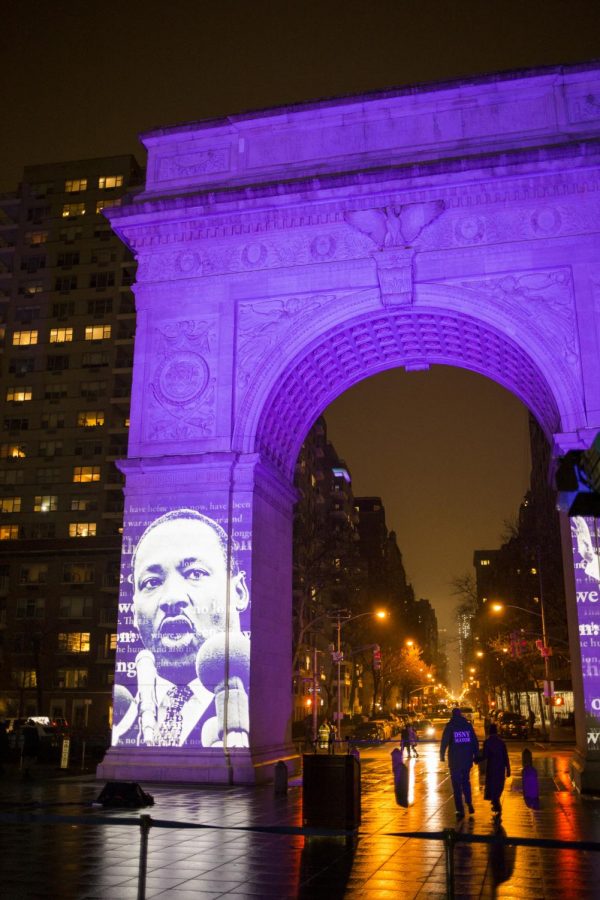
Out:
{"x": 395, "y": 226}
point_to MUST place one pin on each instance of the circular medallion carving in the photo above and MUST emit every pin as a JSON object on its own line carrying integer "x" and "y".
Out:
{"x": 471, "y": 229}
{"x": 254, "y": 254}
{"x": 188, "y": 262}
{"x": 322, "y": 247}
{"x": 182, "y": 379}
{"x": 545, "y": 220}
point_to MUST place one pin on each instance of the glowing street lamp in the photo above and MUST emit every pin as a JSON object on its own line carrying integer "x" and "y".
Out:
{"x": 342, "y": 617}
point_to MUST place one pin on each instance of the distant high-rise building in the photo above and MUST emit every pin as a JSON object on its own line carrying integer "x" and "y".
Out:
{"x": 68, "y": 322}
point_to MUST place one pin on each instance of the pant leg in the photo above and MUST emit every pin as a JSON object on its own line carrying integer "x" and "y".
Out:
{"x": 466, "y": 785}
{"x": 456, "y": 779}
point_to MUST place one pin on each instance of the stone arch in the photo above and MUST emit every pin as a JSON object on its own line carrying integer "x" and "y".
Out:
{"x": 292, "y": 389}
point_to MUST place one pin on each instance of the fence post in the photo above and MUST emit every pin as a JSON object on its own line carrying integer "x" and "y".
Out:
{"x": 449, "y": 841}
{"x": 145, "y": 825}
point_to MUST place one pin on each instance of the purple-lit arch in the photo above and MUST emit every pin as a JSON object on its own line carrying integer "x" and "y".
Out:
{"x": 333, "y": 362}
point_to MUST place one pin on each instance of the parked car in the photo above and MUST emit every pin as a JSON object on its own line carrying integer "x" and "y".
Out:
{"x": 425, "y": 730}
{"x": 384, "y": 726}
{"x": 367, "y": 731}
{"x": 512, "y": 725}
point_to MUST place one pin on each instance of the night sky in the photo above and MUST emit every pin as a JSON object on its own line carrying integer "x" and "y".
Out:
{"x": 446, "y": 450}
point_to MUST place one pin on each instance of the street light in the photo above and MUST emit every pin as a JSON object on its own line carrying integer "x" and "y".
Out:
{"x": 500, "y": 607}
{"x": 342, "y": 617}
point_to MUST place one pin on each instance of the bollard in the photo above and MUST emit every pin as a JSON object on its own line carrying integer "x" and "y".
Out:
{"x": 281, "y": 779}
{"x": 145, "y": 825}
{"x": 449, "y": 841}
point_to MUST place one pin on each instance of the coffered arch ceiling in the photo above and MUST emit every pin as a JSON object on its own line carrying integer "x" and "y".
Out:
{"x": 371, "y": 343}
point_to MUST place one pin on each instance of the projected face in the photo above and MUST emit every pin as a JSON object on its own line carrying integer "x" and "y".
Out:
{"x": 586, "y": 556}
{"x": 181, "y": 587}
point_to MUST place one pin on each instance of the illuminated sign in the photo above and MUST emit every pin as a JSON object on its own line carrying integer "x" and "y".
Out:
{"x": 586, "y": 560}
{"x": 183, "y": 639}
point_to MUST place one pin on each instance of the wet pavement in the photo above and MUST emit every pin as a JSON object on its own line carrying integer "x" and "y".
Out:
{"x": 85, "y": 861}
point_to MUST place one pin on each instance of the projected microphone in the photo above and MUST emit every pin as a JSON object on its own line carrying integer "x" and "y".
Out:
{"x": 227, "y": 682}
{"x": 146, "y": 672}
{"x": 122, "y": 700}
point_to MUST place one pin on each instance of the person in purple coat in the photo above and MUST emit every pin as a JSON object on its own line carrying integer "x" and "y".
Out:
{"x": 497, "y": 767}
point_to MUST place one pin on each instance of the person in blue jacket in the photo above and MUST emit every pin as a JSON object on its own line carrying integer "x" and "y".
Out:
{"x": 462, "y": 745}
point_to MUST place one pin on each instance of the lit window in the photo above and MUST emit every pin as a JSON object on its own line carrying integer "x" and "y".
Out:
{"x": 61, "y": 335}
{"x": 74, "y": 642}
{"x": 90, "y": 418}
{"x": 82, "y": 529}
{"x": 107, "y": 182}
{"x": 111, "y": 643}
{"x": 24, "y": 338}
{"x": 10, "y": 504}
{"x": 85, "y": 474}
{"x": 45, "y": 503}
{"x": 34, "y": 573}
{"x": 75, "y": 185}
{"x": 25, "y": 678}
{"x": 78, "y": 573}
{"x": 19, "y": 394}
{"x": 9, "y": 532}
{"x": 126, "y": 422}
{"x": 97, "y": 332}
{"x": 484, "y": 562}
{"x": 73, "y": 209}
{"x": 12, "y": 451}
{"x": 36, "y": 237}
{"x": 107, "y": 204}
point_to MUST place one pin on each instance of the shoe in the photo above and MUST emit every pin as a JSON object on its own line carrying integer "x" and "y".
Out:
{"x": 460, "y": 816}
{"x": 471, "y": 809}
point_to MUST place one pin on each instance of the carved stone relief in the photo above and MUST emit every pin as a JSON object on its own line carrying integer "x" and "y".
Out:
{"x": 180, "y": 403}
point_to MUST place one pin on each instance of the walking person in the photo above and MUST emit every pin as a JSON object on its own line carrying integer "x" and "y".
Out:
{"x": 31, "y": 747}
{"x": 405, "y": 740}
{"x": 497, "y": 768}
{"x": 412, "y": 740}
{"x": 331, "y": 738}
{"x": 323, "y": 735}
{"x": 462, "y": 745}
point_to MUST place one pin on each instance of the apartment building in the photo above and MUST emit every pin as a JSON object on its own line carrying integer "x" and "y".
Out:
{"x": 67, "y": 327}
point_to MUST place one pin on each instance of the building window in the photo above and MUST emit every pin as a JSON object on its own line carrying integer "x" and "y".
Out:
{"x": 100, "y": 307}
{"x": 108, "y": 182}
{"x": 19, "y": 394}
{"x": 33, "y": 573}
{"x": 10, "y": 504}
{"x": 25, "y": 678}
{"x": 48, "y": 475}
{"x": 61, "y": 335}
{"x": 93, "y": 359}
{"x": 66, "y": 260}
{"x": 57, "y": 363}
{"x": 73, "y": 209}
{"x": 107, "y": 204}
{"x": 32, "y": 264}
{"x": 92, "y": 390}
{"x": 9, "y": 532}
{"x": 14, "y": 424}
{"x": 30, "y": 608}
{"x": 90, "y": 418}
{"x": 78, "y": 573}
{"x": 24, "y": 338}
{"x": 86, "y": 474}
{"x": 56, "y": 391}
{"x": 63, "y": 309}
{"x": 12, "y": 476}
{"x": 82, "y": 529}
{"x": 102, "y": 280}
{"x": 45, "y": 503}
{"x": 26, "y": 314}
{"x": 65, "y": 283}
{"x": 35, "y": 238}
{"x": 13, "y": 451}
{"x": 41, "y": 531}
{"x": 97, "y": 332}
{"x": 75, "y": 607}
{"x": 71, "y": 234}
{"x": 22, "y": 366}
{"x": 53, "y": 420}
{"x": 72, "y": 678}
{"x": 88, "y": 448}
{"x": 74, "y": 642}
{"x": 51, "y": 448}
{"x": 83, "y": 504}
{"x": 75, "y": 185}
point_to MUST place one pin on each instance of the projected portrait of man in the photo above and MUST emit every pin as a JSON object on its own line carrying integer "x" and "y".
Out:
{"x": 589, "y": 554}
{"x": 192, "y": 675}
